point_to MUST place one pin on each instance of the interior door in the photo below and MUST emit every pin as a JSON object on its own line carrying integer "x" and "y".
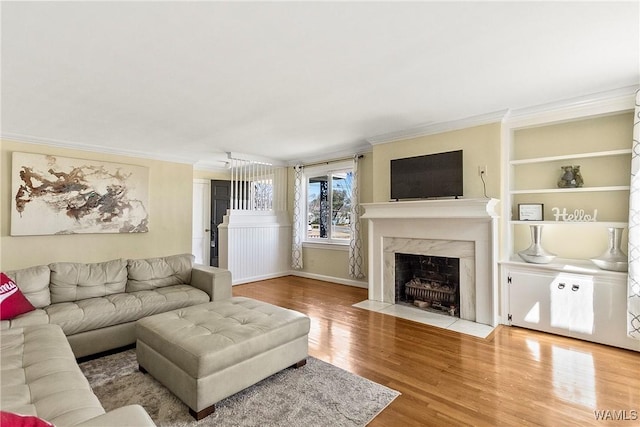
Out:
{"x": 201, "y": 220}
{"x": 220, "y": 203}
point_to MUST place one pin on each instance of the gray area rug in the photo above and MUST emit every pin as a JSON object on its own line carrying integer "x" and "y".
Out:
{"x": 318, "y": 394}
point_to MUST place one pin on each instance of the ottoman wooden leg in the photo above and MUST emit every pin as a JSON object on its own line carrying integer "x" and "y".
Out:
{"x": 203, "y": 413}
{"x": 141, "y": 369}
{"x": 300, "y": 364}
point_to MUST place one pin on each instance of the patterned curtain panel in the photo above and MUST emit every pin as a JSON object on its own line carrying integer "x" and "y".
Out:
{"x": 633, "y": 302}
{"x": 298, "y": 209}
{"x": 355, "y": 244}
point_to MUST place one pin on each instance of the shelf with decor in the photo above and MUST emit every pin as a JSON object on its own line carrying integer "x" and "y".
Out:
{"x": 599, "y": 201}
{"x": 617, "y": 224}
{"x": 573, "y": 156}
{"x": 572, "y": 190}
{"x": 598, "y": 181}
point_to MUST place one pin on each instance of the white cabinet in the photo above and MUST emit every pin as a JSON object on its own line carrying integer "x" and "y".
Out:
{"x": 589, "y": 305}
{"x": 555, "y": 302}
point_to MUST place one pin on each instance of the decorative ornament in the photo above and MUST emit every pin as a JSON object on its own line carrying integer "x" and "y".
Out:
{"x": 535, "y": 253}
{"x": 578, "y": 215}
{"x": 571, "y": 177}
{"x": 613, "y": 259}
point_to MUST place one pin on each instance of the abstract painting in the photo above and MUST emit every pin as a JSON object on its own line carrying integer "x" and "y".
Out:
{"x": 61, "y": 195}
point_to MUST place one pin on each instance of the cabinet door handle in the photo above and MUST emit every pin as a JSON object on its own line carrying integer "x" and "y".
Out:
{"x": 574, "y": 288}
{"x": 561, "y": 285}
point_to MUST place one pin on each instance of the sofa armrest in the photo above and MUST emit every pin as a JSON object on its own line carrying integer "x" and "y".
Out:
{"x": 127, "y": 416}
{"x": 214, "y": 281}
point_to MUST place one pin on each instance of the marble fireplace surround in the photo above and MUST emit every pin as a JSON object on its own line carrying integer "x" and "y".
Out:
{"x": 464, "y": 251}
{"x": 455, "y": 228}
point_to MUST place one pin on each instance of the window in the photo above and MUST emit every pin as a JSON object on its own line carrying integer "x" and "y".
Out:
{"x": 262, "y": 194}
{"x": 328, "y": 195}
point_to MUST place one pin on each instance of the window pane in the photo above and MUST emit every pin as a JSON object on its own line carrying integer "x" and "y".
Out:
{"x": 263, "y": 194}
{"x": 318, "y": 209}
{"x": 341, "y": 205}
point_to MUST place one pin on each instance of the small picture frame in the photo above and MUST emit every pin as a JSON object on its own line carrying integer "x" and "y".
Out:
{"x": 530, "y": 212}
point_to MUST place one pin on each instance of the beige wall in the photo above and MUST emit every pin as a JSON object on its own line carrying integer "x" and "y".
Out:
{"x": 170, "y": 216}
{"x": 480, "y": 145}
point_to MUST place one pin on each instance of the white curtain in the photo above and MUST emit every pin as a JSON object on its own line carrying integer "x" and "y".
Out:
{"x": 633, "y": 294}
{"x": 355, "y": 244}
{"x": 298, "y": 223}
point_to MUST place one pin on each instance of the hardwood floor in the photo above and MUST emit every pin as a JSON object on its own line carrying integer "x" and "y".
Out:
{"x": 515, "y": 377}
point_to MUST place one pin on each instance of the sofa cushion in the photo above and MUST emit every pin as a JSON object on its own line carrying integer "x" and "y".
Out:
{"x": 12, "y": 301}
{"x": 34, "y": 284}
{"x": 40, "y": 377}
{"x": 152, "y": 273}
{"x": 170, "y": 298}
{"x": 72, "y": 281}
{"x": 94, "y": 313}
{"x": 36, "y": 317}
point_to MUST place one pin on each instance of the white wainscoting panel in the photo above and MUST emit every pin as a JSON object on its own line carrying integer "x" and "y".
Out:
{"x": 255, "y": 245}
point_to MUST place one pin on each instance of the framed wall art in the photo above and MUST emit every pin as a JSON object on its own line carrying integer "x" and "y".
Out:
{"x": 61, "y": 195}
{"x": 530, "y": 212}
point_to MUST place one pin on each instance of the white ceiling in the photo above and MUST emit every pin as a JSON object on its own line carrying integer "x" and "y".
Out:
{"x": 290, "y": 81}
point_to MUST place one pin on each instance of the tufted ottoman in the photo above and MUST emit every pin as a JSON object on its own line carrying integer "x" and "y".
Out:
{"x": 207, "y": 352}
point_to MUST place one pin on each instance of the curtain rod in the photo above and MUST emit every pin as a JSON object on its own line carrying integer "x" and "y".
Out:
{"x": 333, "y": 161}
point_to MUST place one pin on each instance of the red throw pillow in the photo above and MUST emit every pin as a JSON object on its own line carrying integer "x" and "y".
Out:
{"x": 12, "y": 301}
{"x": 10, "y": 419}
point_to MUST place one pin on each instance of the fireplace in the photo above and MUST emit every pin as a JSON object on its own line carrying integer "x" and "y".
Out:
{"x": 430, "y": 283}
{"x": 463, "y": 251}
{"x": 464, "y": 229}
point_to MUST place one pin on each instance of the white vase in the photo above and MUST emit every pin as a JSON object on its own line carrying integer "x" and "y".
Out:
{"x": 535, "y": 253}
{"x": 613, "y": 258}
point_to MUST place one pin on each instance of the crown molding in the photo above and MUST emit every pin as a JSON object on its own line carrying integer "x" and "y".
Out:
{"x": 601, "y": 103}
{"x": 596, "y": 104}
{"x": 28, "y": 139}
{"x": 436, "y": 128}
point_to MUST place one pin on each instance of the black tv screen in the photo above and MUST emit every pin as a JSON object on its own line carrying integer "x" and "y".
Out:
{"x": 431, "y": 175}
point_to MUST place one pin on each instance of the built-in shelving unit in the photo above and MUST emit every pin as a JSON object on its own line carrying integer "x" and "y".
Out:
{"x": 536, "y": 150}
{"x": 571, "y": 295}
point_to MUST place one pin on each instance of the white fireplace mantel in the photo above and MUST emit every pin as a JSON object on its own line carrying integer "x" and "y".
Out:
{"x": 444, "y": 208}
{"x": 432, "y": 227}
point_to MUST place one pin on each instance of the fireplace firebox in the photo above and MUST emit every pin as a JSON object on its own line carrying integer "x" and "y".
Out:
{"x": 431, "y": 283}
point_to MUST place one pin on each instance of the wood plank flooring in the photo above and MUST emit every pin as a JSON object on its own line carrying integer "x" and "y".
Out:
{"x": 515, "y": 377}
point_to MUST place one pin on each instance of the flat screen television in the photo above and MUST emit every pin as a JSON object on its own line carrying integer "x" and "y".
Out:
{"x": 428, "y": 176}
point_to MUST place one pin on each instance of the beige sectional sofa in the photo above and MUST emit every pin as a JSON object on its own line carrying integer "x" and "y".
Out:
{"x": 40, "y": 377}
{"x": 96, "y": 307}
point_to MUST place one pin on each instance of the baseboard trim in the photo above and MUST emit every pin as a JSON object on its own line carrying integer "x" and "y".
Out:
{"x": 259, "y": 278}
{"x": 338, "y": 280}
{"x": 332, "y": 279}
